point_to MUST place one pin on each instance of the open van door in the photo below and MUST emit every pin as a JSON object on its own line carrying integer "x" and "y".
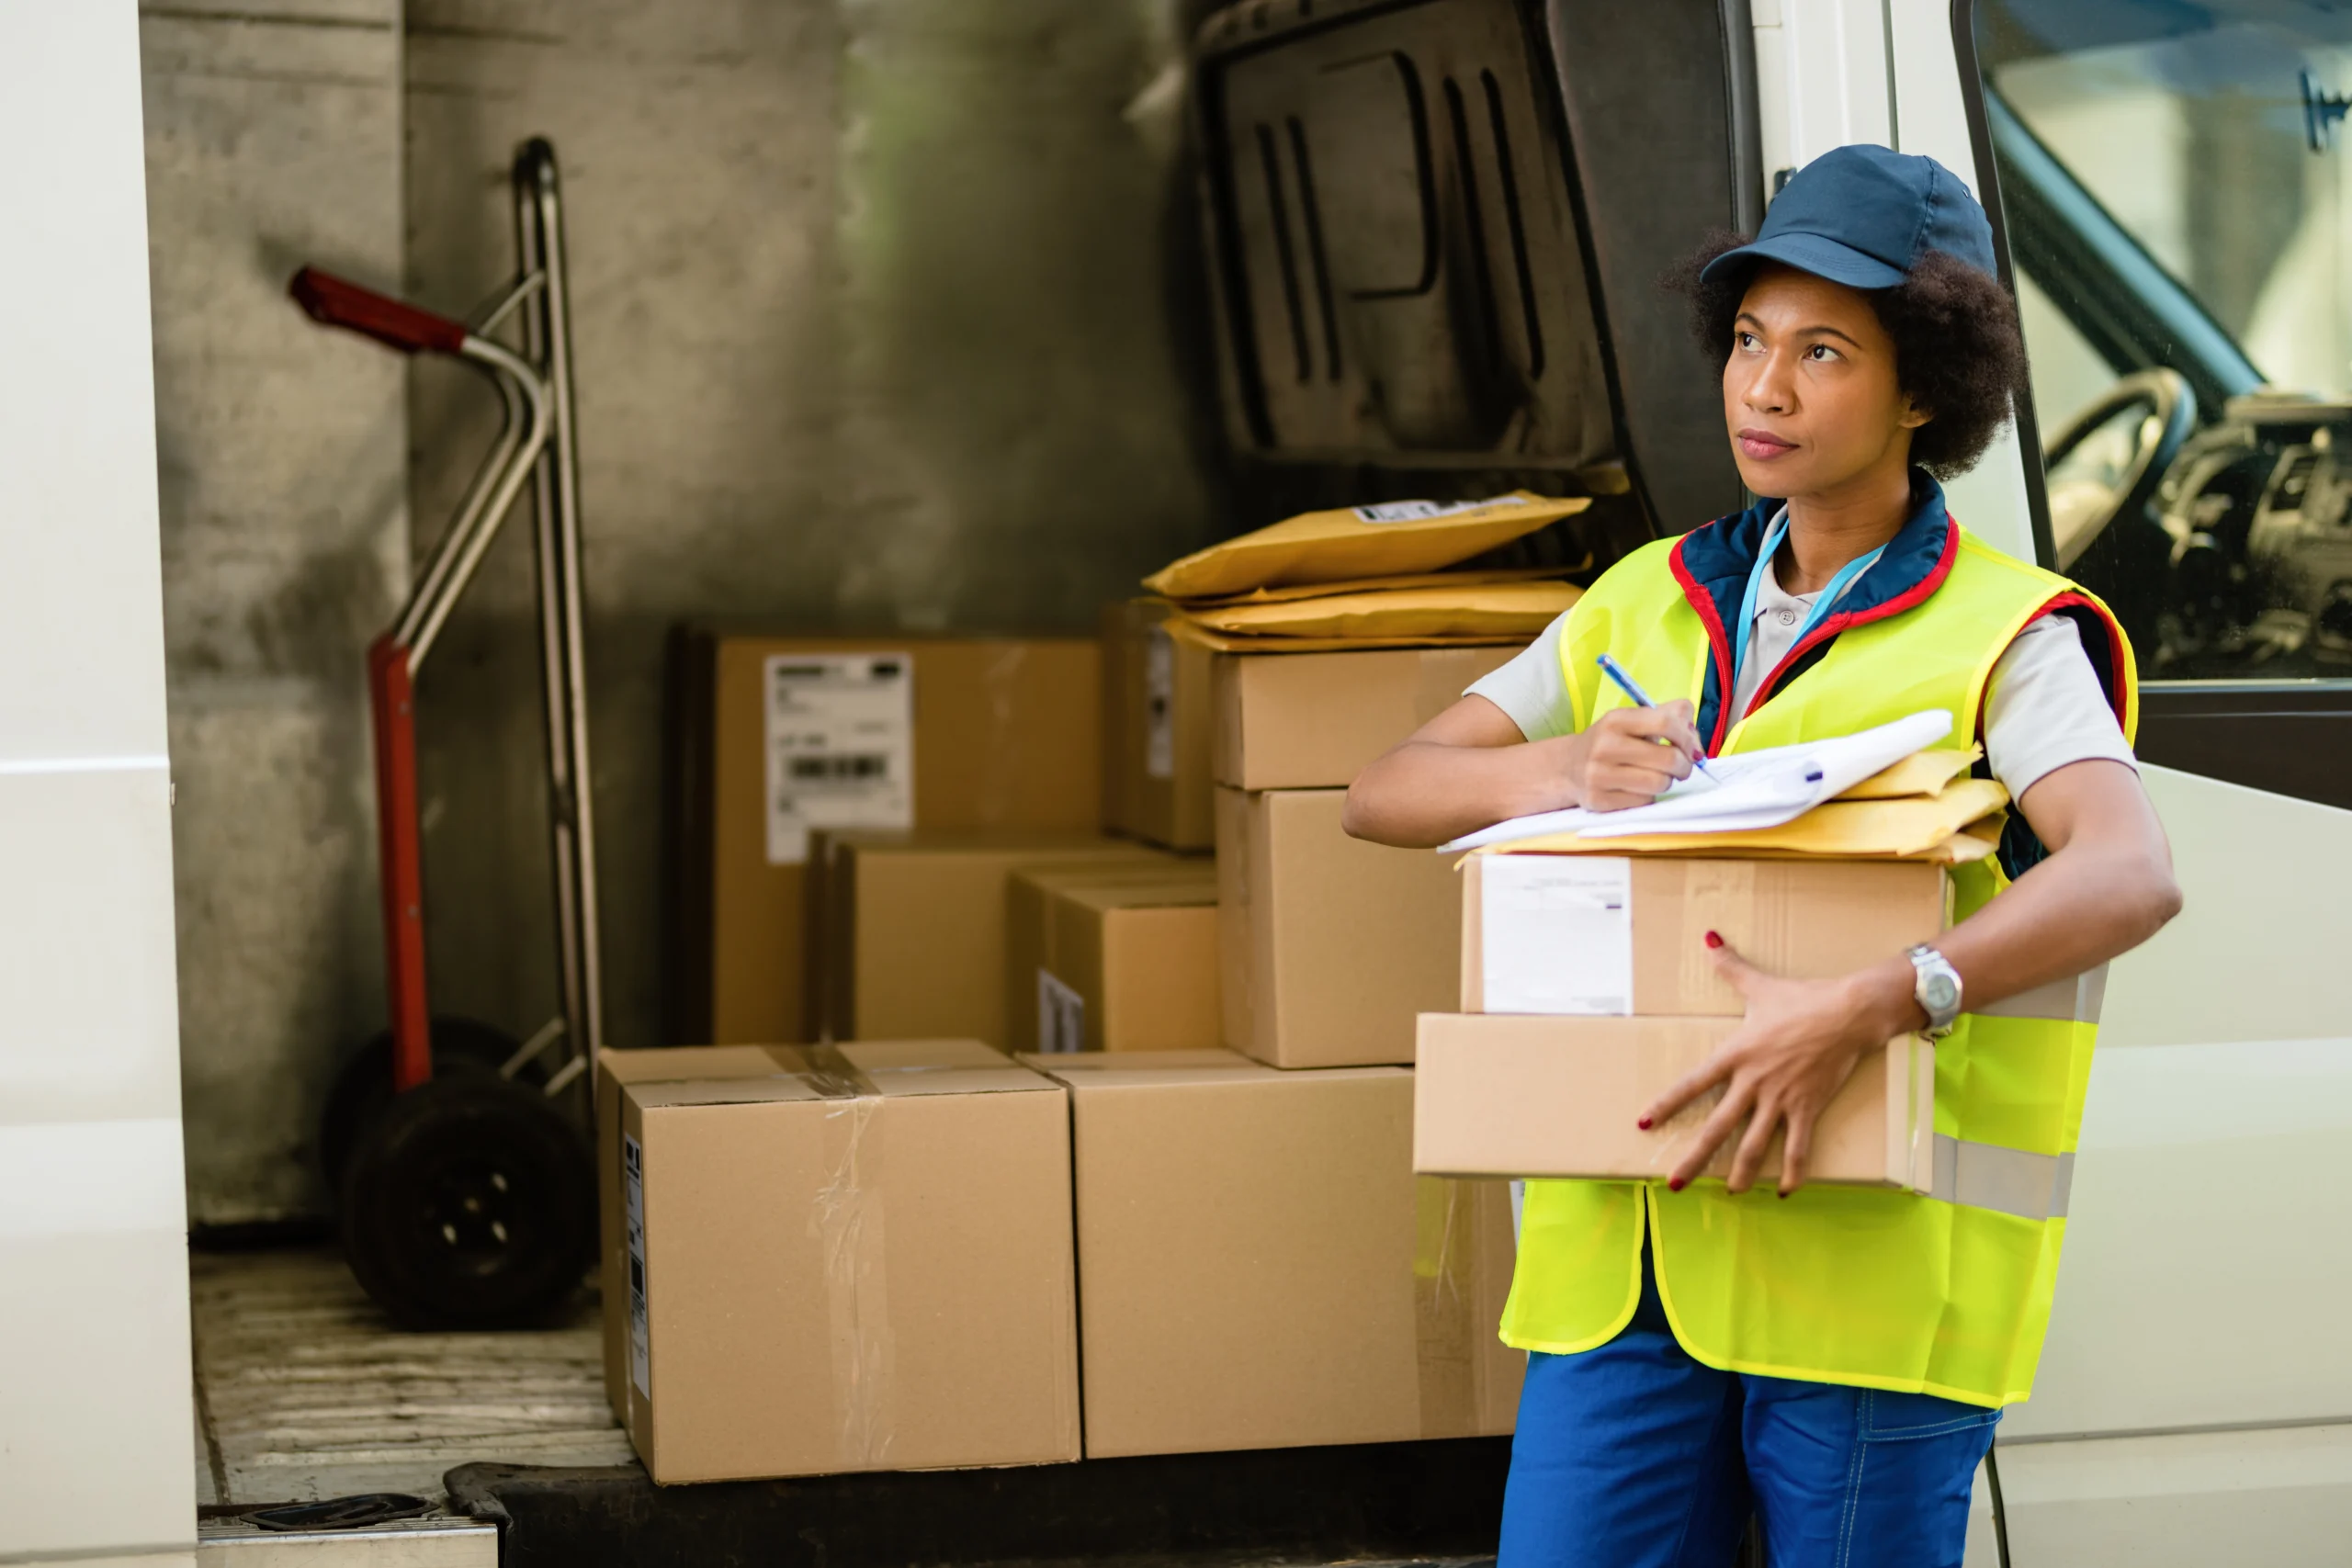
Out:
{"x": 2175, "y": 200}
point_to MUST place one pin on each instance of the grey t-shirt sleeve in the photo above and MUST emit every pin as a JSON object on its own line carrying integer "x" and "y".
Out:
{"x": 2045, "y": 708}
{"x": 1532, "y": 688}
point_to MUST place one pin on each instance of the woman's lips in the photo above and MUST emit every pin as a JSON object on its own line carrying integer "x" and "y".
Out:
{"x": 1762, "y": 446}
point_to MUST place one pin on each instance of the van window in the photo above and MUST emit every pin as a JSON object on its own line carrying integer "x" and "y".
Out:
{"x": 2174, "y": 189}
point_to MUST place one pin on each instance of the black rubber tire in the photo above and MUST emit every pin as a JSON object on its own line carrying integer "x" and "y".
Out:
{"x": 364, "y": 1087}
{"x": 471, "y": 1203}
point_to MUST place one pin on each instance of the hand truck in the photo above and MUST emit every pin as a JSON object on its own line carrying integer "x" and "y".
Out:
{"x": 465, "y": 1189}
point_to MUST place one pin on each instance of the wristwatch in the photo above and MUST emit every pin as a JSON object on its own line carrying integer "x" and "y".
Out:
{"x": 1936, "y": 988}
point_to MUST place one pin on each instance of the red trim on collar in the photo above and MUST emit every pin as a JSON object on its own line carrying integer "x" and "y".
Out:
{"x": 1717, "y": 641}
{"x": 1910, "y": 598}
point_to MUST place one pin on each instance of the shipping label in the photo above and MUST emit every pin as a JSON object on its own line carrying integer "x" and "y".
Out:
{"x": 1159, "y": 705}
{"x": 841, "y": 746}
{"x": 1061, "y": 1015}
{"x": 640, "y": 1328}
{"x": 1555, "y": 934}
{"x": 1418, "y": 511}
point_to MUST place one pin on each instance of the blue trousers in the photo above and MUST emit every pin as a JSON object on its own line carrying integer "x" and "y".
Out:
{"x": 1632, "y": 1455}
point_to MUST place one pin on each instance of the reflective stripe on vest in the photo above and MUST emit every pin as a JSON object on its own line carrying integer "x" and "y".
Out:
{"x": 1946, "y": 1294}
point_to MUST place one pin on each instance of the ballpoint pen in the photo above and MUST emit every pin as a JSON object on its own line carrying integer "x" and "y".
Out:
{"x": 1626, "y": 684}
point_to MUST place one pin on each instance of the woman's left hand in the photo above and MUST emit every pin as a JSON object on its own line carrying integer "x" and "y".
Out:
{"x": 1794, "y": 1051}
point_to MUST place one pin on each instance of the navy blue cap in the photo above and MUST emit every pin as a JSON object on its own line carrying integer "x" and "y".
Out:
{"x": 1863, "y": 216}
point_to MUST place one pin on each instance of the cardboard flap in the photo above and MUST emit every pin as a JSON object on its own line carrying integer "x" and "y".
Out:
{"x": 1383, "y": 540}
{"x": 939, "y": 1067}
{"x": 1521, "y": 609}
{"x": 1184, "y": 629}
{"x": 1140, "y": 1068}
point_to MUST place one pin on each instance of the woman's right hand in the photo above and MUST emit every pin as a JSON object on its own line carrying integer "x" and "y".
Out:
{"x": 1619, "y": 759}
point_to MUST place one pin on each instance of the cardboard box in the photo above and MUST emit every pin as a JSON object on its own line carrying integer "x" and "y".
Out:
{"x": 861, "y": 1264}
{"x": 1261, "y": 1269}
{"x": 773, "y": 735}
{"x": 1111, "y": 957}
{"x": 1327, "y": 946}
{"x": 615, "y": 1070}
{"x": 1156, "y": 725}
{"x": 906, "y": 931}
{"x": 1313, "y": 720}
{"x": 1498, "y": 1094}
{"x": 1626, "y": 935}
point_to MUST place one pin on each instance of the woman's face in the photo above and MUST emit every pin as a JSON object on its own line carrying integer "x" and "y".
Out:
{"x": 1810, "y": 396}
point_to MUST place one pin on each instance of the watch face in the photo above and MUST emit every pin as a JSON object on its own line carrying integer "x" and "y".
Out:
{"x": 1938, "y": 994}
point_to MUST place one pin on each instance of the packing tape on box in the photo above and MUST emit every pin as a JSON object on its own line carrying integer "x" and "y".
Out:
{"x": 1447, "y": 1320}
{"x": 847, "y": 1223}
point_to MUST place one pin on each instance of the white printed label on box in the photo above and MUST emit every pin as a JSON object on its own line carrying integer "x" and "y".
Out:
{"x": 841, "y": 746}
{"x": 1159, "y": 705}
{"x": 1415, "y": 510}
{"x": 1555, "y": 934}
{"x": 640, "y": 1331}
{"x": 1061, "y": 1015}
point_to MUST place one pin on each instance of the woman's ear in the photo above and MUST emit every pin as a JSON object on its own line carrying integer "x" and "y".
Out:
{"x": 1913, "y": 416}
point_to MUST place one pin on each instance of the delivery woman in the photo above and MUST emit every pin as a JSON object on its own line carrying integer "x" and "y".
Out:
{"x": 1831, "y": 1358}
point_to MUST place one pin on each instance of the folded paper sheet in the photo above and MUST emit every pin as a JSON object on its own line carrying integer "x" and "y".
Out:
{"x": 1949, "y": 826}
{"x": 1495, "y": 609}
{"x": 1749, "y": 791}
{"x": 1387, "y": 539}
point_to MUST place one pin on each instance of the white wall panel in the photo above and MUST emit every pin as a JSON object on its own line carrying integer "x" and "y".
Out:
{"x": 95, "y": 1404}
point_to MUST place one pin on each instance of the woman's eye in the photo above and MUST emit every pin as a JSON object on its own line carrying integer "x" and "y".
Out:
{"x": 1821, "y": 352}
{"x": 1747, "y": 342}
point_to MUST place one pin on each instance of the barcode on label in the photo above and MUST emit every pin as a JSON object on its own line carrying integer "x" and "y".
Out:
{"x": 865, "y": 765}
{"x": 1417, "y": 511}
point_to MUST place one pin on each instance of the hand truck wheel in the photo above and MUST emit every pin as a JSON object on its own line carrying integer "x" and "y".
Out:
{"x": 364, "y": 1087}
{"x": 469, "y": 1203}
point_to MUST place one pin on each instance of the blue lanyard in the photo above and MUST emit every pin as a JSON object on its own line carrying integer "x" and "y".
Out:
{"x": 1822, "y": 601}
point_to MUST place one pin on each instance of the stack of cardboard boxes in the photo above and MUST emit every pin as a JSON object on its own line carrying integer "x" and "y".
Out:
{"x": 903, "y": 1246}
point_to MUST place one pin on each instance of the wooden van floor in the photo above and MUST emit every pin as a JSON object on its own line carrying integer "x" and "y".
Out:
{"x": 304, "y": 1390}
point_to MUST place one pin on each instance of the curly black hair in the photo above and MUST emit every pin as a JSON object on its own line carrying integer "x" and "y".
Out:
{"x": 1957, "y": 349}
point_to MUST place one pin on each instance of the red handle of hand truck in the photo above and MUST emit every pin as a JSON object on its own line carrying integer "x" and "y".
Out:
{"x": 332, "y": 301}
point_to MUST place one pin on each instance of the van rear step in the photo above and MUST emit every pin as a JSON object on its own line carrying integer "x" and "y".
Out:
{"x": 1430, "y": 1503}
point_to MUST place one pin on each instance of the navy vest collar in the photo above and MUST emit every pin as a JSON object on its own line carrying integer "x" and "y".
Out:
{"x": 1713, "y": 565}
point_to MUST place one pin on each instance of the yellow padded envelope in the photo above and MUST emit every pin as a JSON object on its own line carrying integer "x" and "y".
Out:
{"x": 1495, "y": 609}
{"x": 1386, "y": 539}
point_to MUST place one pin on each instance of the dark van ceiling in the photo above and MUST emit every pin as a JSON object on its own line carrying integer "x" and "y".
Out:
{"x": 1437, "y": 227}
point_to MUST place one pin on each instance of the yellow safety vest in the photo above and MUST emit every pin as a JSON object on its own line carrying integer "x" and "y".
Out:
{"x": 1948, "y": 1294}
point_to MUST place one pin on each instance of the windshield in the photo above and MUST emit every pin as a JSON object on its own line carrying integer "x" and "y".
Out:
{"x": 2174, "y": 178}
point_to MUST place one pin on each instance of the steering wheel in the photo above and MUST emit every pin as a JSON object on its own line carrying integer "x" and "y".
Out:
{"x": 2104, "y": 463}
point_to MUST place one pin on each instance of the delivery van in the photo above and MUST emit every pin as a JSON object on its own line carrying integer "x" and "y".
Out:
{"x": 1436, "y": 232}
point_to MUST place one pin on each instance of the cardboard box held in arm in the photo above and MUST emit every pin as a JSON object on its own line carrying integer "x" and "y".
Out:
{"x": 1328, "y": 945}
{"x": 773, "y": 738}
{"x": 1261, "y": 1269}
{"x": 862, "y": 1263}
{"x": 1155, "y": 727}
{"x": 1313, "y": 720}
{"x": 1500, "y": 1094}
{"x": 907, "y": 929}
{"x": 1111, "y": 957}
{"x": 1626, "y": 935}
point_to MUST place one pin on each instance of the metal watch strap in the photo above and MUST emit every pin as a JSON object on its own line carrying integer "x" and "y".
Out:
{"x": 1928, "y": 965}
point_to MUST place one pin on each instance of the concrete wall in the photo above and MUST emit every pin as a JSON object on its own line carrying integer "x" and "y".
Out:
{"x": 877, "y": 315}
{"x": 273, "y": 140}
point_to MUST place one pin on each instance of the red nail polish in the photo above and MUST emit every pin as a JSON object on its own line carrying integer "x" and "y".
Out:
{"x": 1644, "y": 1124}
{"x": 1713, "y": 941}
{"x": 1673, "y": 1186}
